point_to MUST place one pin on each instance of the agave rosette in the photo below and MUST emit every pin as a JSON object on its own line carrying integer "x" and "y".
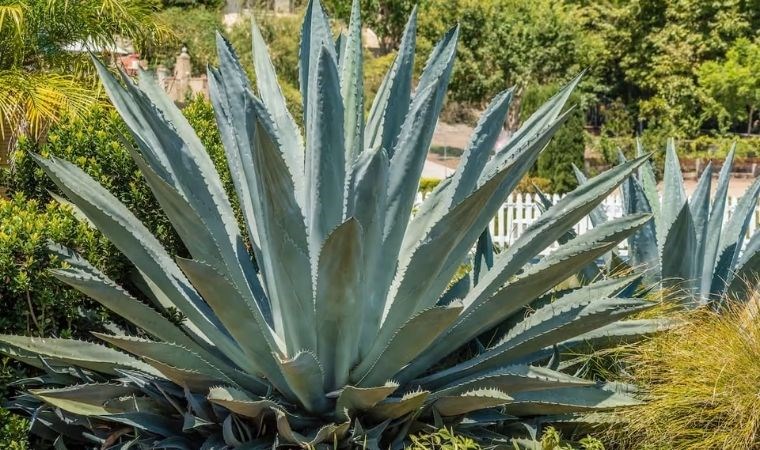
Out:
{"x": 331, "y": 317}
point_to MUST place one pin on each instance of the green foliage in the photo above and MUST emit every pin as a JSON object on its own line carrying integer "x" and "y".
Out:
{"x": 504, "y": 43}
{"x": 385, "y": 17}
{"x": 443, "y": 439}
{"x": 191, "y": 27}
{"x": 566, "y": 148}
{"x": 316, "y": 341}
{"x": 732, "y": 87}
{"x": 13, "y": 431}
{"x": 551, "y": 439}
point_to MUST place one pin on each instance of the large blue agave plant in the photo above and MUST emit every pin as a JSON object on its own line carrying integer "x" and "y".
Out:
{"x": 337, "y": 325}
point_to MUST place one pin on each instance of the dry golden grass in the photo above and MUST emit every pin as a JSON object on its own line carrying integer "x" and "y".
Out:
{"x": 701, "y": 383}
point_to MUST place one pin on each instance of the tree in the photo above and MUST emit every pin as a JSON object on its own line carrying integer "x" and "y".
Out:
{"x": 39, "y": 78}
{"x": 386, "y": 18}
{"x": 731, "y": 87}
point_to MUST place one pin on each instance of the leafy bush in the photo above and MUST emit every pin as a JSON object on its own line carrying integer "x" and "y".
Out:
{"x": 443, "y": 439}
{"x": 700, "y": 383}
{"x": 13, "y": 431}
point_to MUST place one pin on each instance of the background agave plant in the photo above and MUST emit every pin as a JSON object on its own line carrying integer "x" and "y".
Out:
{"x": 330, "y": 317}
{"x": 686, "y": 245}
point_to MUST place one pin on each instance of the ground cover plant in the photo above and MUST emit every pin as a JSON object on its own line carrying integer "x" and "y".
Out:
{"x": 302, "y": 335}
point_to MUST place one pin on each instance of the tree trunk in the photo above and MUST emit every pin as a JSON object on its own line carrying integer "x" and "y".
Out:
{"x": 749, "y": 119}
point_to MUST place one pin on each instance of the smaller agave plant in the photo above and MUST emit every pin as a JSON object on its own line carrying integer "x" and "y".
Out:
{"x": 334, "y": 321}
{"x": 687, "y": 246}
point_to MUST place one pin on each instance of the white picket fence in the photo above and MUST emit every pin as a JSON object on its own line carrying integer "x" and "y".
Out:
{"x": 521, "y": 210}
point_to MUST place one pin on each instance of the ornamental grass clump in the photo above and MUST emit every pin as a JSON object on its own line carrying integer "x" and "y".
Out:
{"x": 700, "y": 383}
{"x": 334, "y": 319}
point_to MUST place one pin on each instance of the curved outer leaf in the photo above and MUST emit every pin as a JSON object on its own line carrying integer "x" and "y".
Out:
{"x": 338, "y": 304}
{"x": 470, "y": 401}
{"x": 396, "y": 407}
{"x": 88, "y": 355}
{"x": 325, "y": 155}
{"x": 512, "y": 379}
{"x": 90, "y": 281}
{"x": 239, "y": 402}
{"x": 567, "y": 400}
{"x": 86, "y": 399}
{"x": 353, "y": 399}
{"x": 352, "y": 87}
{"x": 391, "y": 103}
{"x": 176, "y": 154}
{"x": 139, "y": 245}
{"x": 532, "y": 282}
{"x": 167, "y": 354}
{"x": 576, "y": 313}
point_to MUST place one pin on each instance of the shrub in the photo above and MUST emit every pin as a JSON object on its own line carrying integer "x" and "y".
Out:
{"x": 13, "y": 430}
{"x": 700, "y": 382}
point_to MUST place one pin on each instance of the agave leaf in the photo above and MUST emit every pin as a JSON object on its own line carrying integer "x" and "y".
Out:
{"x": 366, "y": 203}
{"x": 325, "y": 157}
{"x": 649, "y": 183}
{"x": 532, "y": 282}
{"x": 484, "y": 253}
{"x": 715, "y": 223}
{"x": 305, "y": 378}
{"x": 447, "y": 249}
{"x": 573, "y": 314}
{"x": 700, "y": 212}
{"x": 131, "y": 237}
{"x": 396, "y": 407}
{"x": 674, "y": 195}
{"x": 241, "y": 322}
{"x": 597, "y": 215}
{"x": 745, "y": 277}
{"x": 239, "y": 402}
{"x": 315, "y": 34}
{"x": 512, "y": 379}
{"x": 539, "y": 120}
{"x": 328, "y": 433}
{"x": 549, "y": 227}
{"x": 465, "y": 179}
{"x": 85, "y": 399}
{"x": 470, "y": 401}
{"x": 190, "y": 379}
{"x": 166, "y": 353}
{"x": 271, "y": 95}
{"x": 352, "y": 87}
{"x": 391, "y": 103}
{"x": 88, "y": 355}
{"x": 407, "y": 342}
{"x": 567, "y": 400}
{"x": 679, "y": 251}
{"x": 618, "y": 333}
{"x": 90, "y": 281}
{"x": 338, "y": 306}
{"x": 732, "y": 238}
{"x": 408, "y": 156}
{"x": 642, "y": 244}
{"x": 353, "y": 399}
